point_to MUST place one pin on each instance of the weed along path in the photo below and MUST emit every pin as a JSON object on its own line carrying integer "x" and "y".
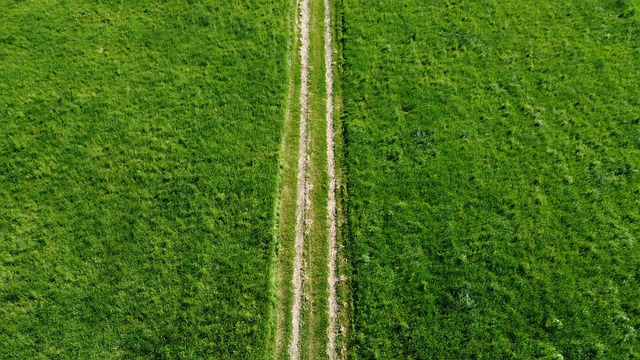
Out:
{"x": 308, "y": 305}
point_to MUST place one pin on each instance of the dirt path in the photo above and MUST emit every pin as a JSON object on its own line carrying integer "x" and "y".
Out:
{"x": 302, "y": 201}
{"x": 314, "y": 236}
{"x": 332, "y": 277}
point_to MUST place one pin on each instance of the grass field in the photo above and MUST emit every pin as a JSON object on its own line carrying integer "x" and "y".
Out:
{"x": 492, "y": 157}
{"x": 139, "y": 145}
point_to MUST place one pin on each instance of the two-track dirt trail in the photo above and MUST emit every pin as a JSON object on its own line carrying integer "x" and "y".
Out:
{"x": 309, "y": 309}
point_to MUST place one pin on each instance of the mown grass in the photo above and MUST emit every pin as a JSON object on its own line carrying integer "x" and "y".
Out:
{"x": 138, "y": 165}
{"x": 492, "y": 155}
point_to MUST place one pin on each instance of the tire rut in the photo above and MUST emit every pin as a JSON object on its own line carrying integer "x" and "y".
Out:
{"x": 302, "y": 202}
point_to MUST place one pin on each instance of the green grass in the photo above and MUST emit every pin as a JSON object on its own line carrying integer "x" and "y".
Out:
{"x": 138, "y": 166}
{"x": 492, "y": 152}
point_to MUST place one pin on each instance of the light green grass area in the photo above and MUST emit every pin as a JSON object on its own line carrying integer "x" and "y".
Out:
{"x": 315, "y": 312}
{"x": 139, "y": 145}
{"x": 493, "y": 150}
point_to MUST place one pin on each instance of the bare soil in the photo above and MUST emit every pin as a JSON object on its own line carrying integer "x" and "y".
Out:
{"x": 332, "y": 279}
{"x": 302, "y": 202}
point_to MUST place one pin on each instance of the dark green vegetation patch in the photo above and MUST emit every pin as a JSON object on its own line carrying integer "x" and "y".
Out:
{"x": 493, "y": 150}
{"x": 138, "y": 164}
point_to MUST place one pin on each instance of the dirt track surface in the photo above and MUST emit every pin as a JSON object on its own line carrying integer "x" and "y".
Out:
{"x": 332, "y": 278}
{"x": 302, "y": 201}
